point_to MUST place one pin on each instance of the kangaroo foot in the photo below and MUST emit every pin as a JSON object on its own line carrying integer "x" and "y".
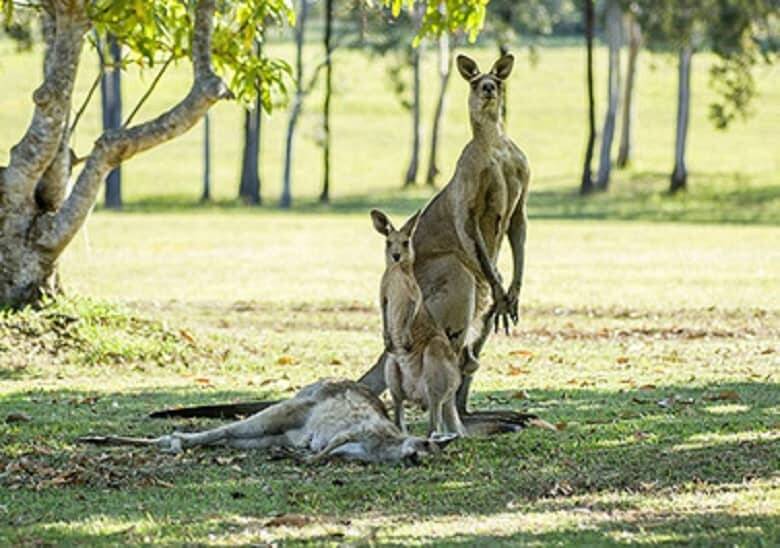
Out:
{"x": 468, "y": 362}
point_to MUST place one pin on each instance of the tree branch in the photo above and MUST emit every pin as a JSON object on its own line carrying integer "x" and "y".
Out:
{"x": 115, "y": 146}
{"x": 40, "y": 144}
{"x": 148, "y": 91}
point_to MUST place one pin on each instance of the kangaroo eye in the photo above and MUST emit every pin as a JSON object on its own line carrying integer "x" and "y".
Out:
{"x": 387, "y": 244}
{"x": 406, "y": 243}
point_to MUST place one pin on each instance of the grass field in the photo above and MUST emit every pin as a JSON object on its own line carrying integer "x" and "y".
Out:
{"x": 652, "y": 345}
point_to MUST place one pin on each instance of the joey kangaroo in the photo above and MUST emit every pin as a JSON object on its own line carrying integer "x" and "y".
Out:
{"x": 421, "y": 365}
{"x": 330, "y": 418}
{"x": 460, "y": 231}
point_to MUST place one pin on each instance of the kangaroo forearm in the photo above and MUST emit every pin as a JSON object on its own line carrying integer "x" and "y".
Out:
{"x": 518, "y": 228}
{"x": 483, "y": 258}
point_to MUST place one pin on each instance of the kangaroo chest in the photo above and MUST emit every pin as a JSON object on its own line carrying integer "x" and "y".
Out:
{"x": 500, "y": 189}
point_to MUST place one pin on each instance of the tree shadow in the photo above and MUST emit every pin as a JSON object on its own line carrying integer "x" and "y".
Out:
{"x": 607, "y": 443}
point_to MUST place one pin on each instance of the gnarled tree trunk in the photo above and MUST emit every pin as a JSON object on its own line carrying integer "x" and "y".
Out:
{"x": 679, "y": 180}
{"x": 634, "y": 43}
{"x": 614, "y": 19}
{"x": 39, "y": 215}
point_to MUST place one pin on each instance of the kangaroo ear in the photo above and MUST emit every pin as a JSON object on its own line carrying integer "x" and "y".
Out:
{"x": 467, "y": 67}
{"x": 381, "y": 223}
{"x": 410, "y": 227}
{"x": 503, "y": 67}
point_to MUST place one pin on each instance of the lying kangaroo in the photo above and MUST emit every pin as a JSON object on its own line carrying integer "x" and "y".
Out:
{"x": 460, "y": 231}
{"x": 422, "y": 366}
{"x": 330, "y": 418}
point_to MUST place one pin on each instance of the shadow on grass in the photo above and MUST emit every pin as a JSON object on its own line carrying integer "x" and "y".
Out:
{"x": 610, "y": 444}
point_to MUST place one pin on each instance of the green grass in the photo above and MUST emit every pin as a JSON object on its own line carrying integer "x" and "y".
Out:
{"x": 734, "y": 174}
{"x": 616, "y": 317}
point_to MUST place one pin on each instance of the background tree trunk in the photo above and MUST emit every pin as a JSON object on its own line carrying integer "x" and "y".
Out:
{"x": 206, "y": 196}
{"x": 634, "y": 43}
{"x": 586, "y": 186}
{"x": 325, "y": 195}
{"x": 445, "y": 66}
{"x": 249, "y": 189}
{"x": 614, "y": 37}
{"x": 414, "y": 161}
{"x": 111, "y": 101}
{"x": 300, "y": 27}
{"x": 679, "y": 180}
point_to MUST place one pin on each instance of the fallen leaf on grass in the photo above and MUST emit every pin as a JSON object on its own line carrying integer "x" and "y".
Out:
{"x": 766, "y": 351}
{"x": 17, "y": 417}
{"x": 187, "y": 336}
{"x": 639, "y": 435}
{"x": 622, "y": 359}
{"x": 647, "y": 387}
{"x": 289, "y": 520}
{"x": 521, "y": 395}
{"x": 203, "y": 381}
{"x": 724, "y": 395}
{"x": 514, "y": 371}
{"x": 521, "y": 353}
{"x": 336, "y": 361}
{"x": 285, "y": 359}
{"x": 561, "y": 426}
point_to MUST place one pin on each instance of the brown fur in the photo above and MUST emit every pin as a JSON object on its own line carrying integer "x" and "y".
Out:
{"x": 422, "y": 366}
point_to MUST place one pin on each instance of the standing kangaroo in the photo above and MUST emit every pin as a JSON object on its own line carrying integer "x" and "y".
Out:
{"x": 457, "y": 241}
{"x": 421, "y": 365}
{"x": 330, "y": 418}
{"x": 460, "y": 231}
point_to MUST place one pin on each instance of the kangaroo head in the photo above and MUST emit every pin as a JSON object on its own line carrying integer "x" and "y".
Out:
{"x": 411, "y": 450}
{"x": 487, "y": 90}
{"x": 398, "y": 243}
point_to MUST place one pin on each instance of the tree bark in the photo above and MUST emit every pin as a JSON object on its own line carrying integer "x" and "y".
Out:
{"x": 679, "y": 179}
{"x": 445, "y": 66}
{"x": 614, "y": 20}
{"x": 634, "y": 44}
{"x": 31, "y": 236}
{"x": 325, "y": 195}
{"x": 285, "y": 201}
{"x": 206, "y": 195}
{"x": 586, "y": 186}
{"x": 111, "y": 102}
{"x": 414, "y": 161}
{"x": 249, "y": 189}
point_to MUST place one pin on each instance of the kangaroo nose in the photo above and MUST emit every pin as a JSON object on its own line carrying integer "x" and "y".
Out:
{"x": 396, "y": 256}
{"x": 489, "y": 88}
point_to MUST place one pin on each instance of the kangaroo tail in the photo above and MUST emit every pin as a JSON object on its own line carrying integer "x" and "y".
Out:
{"x": 218, "y": 411}
{"x": 116, "y": 440}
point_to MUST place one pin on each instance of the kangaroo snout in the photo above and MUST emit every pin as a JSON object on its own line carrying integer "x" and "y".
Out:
{"x": 396, "y": 257}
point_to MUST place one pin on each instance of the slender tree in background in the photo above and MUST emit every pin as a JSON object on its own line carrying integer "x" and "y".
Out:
{"x": 614, "y": 18}
{"x": 250, "y": 185}
{"x": 634, "y": 34}
{"x": 300, "y": 30}
{"x": 328, "y": 44}
{"x": 586, "y": 186}
{"x": 445, "y": 69}
{"x": 679, "y": 180}
{"x": 111, "y": 107}
{"x": 206, "y": 194}
{"x": 416, "y": 108}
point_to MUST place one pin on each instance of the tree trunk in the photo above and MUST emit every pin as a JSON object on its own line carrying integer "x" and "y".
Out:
{"x": 39, "y": 213}
{"x": 206, "y": 196}
{"x": 249, "y": 189}
{"x": 679, "y": 180}
{"x": 634, "y": 43}
{"x": 111, "y": 101}
{"x": 286, "y": 199}
{"x": 614, "y": 20}
{"x": 503, "y": 49}
{"x": 325, "y": 195}
{"x": 411, "y": 171}
{"x": 586, "y": 186}
{"x": 445, "y": 66}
